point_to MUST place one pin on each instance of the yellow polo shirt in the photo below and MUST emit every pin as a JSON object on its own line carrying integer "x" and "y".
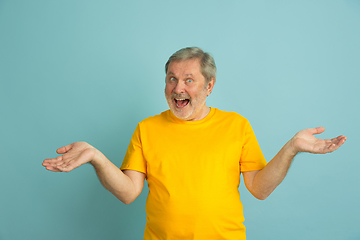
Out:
{"x": 193, "y": 172}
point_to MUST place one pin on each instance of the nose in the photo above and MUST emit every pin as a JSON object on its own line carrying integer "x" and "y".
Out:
{"x": 179, "y": 88}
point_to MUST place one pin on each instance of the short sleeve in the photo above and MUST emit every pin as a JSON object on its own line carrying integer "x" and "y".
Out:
{"x": 252, "y": 158}
{"x": 134, "y": 158}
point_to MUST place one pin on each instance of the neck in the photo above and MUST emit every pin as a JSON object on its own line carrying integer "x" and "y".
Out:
{"x": 202, "y": 114}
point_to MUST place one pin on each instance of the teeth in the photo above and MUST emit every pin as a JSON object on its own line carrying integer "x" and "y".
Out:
{"x": 177, "y": 100}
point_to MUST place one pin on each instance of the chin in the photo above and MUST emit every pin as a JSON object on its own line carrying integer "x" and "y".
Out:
{"x": 181, "y": 114}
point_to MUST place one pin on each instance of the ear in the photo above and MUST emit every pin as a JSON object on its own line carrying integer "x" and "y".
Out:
{"x": 210, "y": 86}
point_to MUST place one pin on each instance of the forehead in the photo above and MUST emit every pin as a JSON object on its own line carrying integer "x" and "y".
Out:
{"x": 185, "y": 67}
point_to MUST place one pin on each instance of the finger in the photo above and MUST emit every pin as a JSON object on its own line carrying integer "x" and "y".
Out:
{"x": 56, "y": 166}
{"x": 48, "y": 160}
{"x": 52, "y": 161}
{"x": 46, "y": 163}
{"x": 332, "y": 148}
{"x": 62, "y": 160}
{"x": 317, "y": 130}
{"x": 335, "y": 139}
{"x": 328, "y": 141}
{"x": 336, "y": 143}
{"x": 59, "y": 161}
{"x": 341, "y": 140}
{"x": 338, "y": 140}
{"x": 341, "y": 137}
{"x": 64, "y": 149}
{"x": 53, "y": 169}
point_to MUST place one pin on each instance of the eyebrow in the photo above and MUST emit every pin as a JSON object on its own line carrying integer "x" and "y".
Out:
{"x": 188, "y": 74}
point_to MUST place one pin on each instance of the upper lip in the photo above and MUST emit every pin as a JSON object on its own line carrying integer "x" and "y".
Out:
{"x": 180, "y": 97}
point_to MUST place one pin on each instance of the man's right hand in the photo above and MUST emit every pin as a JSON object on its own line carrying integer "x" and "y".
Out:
{"x": 126, "y": 186}
{"x": 73, "y": 155}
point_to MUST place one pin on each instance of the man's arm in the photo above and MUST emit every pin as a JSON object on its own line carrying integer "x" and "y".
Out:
{"x": 263, "y": 182}
{"x": 125, "y": 185}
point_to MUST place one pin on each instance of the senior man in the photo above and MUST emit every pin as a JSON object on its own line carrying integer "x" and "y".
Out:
{"x": 192, "y": 156}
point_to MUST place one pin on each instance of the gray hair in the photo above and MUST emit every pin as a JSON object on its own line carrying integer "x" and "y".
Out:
{"x": 207, "y": 63}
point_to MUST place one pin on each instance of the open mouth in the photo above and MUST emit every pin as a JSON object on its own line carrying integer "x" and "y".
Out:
{"x": 181, "y": 102}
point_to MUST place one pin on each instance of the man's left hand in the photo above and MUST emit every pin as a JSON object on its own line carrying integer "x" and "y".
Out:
{"x": 305, "y": 141}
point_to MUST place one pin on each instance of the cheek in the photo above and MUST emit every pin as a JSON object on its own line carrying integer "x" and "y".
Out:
{"x": 200, "y": 95}
{"x": 167, "y": 90}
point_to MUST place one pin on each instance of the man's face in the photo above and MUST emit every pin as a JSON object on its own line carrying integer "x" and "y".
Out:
{"x": 186, "y": 90}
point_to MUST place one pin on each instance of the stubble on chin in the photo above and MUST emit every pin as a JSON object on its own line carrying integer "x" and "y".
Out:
{"x": 179, "y": 113}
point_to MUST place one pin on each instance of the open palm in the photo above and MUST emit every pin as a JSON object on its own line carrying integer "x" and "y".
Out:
{"x": 73, "y": 156}
{"x": 305, "y": 141}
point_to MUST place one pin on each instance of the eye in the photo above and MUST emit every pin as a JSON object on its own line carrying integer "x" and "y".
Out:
{"x": 170, "y": 80}
{"x": 189, "y": 80}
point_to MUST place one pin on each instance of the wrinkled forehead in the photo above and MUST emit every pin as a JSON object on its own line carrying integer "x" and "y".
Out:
{"x": 188, "y": 67}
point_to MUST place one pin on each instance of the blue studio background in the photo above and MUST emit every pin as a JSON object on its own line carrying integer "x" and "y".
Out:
{"x": 91, "y": 70}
